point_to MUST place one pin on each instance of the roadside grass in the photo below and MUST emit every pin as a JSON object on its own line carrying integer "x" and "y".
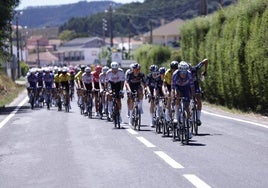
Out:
{"x": 8, "y": 89}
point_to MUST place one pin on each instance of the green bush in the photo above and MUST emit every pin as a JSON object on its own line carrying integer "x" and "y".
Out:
{"x": 24, "y": 68}
{"x": 235, "y": 42}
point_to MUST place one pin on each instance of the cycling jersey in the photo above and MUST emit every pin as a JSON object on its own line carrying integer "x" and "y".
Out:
{"x": 194, "y": 71}
{"x": 115, "y": 77}
{"x": 96, "y": 79}
{"x": 32, "y": 80}
{"x": 87, "y": 80}
{"x": 48, "y": 79}
{"x": 182, "y": 85}
{"x": 158, "y": 86}
{"x": 135, "y": 81}
{"x": 40, "y": 79}
{"x": 64, "y": 80}
{"x": 168, "y": 76}
{"x": 150, "y": 82}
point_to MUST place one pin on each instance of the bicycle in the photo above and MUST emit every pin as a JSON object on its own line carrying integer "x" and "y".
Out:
{"x": 32, "y": 96}
{"x": 193, "y": 107}
{"x": 160, "y": 120}
{"x": 136, "y": 114}
{"x": 88, "y": 103}
{"x": 66, "y": 100}
{"x": 48, "y": 97}
{"x": 58, "y": 98}
{"x": 115, "y": 109}
{"x": 182, "y": 128}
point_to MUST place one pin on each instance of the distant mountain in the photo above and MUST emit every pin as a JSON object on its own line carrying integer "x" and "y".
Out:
{"x": 48, "y": 16}
{"x": 137, "y": 18}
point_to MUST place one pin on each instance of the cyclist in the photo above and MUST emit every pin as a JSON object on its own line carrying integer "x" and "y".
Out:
{"x": 87, "y": 79}
{"x": 102, "y": 85}
{"x": 128, "y": 71}
{"x": 96, "y": 87}
{"x": 194, "y": 70}
{"x": 48, "y": 79}
{"x": 167, "y": 87}
{"x": 159, "y": 90}
{"x": 31, "y": 81}
{"x": 115, "y": 80}
{"x": 135, "y": 82}
{"x": 150, "y": 86}
{"x": 65, "y": 82}
{"x": 182, "y": 86}
{"x": 72, "y": 75}
{"x": 78, "y": 83}
{"x": 57, "y": 73}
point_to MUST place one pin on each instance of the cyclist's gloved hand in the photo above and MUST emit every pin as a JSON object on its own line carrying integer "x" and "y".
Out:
{"x": 204, "y": 73}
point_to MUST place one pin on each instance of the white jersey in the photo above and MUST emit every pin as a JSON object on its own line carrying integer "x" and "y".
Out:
{"x": 115, "y": 77}
{"x": 87, "y": 79}
{"x": 102, "y": 78}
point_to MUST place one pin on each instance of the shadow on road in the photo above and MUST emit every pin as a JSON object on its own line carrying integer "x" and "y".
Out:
{"x": 8, "y": 110}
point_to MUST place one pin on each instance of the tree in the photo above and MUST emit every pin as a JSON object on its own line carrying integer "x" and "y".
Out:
{"x": 6, "y": 14}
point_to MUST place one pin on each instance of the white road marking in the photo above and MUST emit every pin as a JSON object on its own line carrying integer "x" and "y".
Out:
{"x": 197, "y": 182}
{"x": 2, "y": 123}
{"x": 235, "y": 119}
{"x": 131, "y": 131}
{"x": 168, "y": 159}
{"x": 145, "y": 142}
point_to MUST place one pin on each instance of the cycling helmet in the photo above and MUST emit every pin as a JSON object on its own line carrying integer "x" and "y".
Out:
{"x": 87, "y": 69}
{"x": 162, "y": 70}
{"x": 114, "y": 65}
{"x": 64, "y": 70}
{"x": 136, "y": 66}
{"x": 183, "y": 66}
{"x": 105, "y": 69}
{"x": 98, "y": 68}
{"x": 153, "y": 68}
{"x": 174, "y": 65}
{"x": 131, "y": 66}
{"x": 83, "y": 67}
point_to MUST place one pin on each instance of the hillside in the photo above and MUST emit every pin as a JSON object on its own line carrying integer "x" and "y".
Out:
{"x": 8, "y": 89}
{"x": 48, "y": 16}
{"x": 137, "y": 18}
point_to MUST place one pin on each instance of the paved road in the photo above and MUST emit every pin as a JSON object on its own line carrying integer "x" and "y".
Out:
{"x": 47, "y": 148}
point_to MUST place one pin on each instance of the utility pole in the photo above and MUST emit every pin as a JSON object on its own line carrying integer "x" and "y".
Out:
{"x": 38, "y": 58}
{"x": 151, "y": 31}
{"x": 203, "y": 7}
{"x": 18, "y": 46}
{"x": 104, "y": 29}
{"x": 111, "y": 25}
{"x": 128, "y": 19}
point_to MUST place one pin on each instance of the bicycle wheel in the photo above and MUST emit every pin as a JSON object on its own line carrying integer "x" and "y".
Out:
{"x": 195, "y": 126}
{"x": 184, "y": 129}
{"x": 157, "y": 125}
{"x": 135, "y": 117}
{"x": 32, "y": 101}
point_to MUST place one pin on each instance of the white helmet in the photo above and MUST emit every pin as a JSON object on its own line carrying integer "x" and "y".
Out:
{"x": 183, "y": 66}
{"x": 87, "y": 69}
{"x": 105, "y": 69}
{"x": 114, "y": 65}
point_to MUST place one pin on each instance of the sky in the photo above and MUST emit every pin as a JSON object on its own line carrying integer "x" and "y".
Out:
{"x": 27, "y": 3}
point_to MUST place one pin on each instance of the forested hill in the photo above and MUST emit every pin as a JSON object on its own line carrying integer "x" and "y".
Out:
{"x": 47, "y": 16}
{"x": 138, "y": 17}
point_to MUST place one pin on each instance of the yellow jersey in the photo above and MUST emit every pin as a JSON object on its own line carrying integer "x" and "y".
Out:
{"x": 65, "y": 77}
{"x": 57, "y": 78}
{"x": 168, "y": 76}
{"x": 78, "y": 76}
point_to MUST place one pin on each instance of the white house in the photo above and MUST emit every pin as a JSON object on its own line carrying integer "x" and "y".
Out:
{"x": 81, "y": 51}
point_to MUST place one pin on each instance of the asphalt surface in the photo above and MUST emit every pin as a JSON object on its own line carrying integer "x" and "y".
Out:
{"x": 47, "y": 148}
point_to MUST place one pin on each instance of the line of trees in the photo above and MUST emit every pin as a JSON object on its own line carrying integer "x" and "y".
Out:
{"x": 6, "y": 15}
{"x": 235, "y": 40}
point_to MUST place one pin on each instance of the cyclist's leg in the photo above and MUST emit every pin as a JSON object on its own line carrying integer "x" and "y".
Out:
{"x": 130, "y": 103}
{"x": 140, "y": 97}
